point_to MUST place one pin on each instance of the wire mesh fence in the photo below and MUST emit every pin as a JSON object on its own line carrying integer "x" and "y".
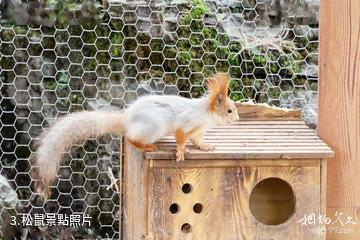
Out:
{"x": 52, "y": 67}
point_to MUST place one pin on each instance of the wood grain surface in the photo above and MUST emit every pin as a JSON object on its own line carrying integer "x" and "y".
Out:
{"x": 250, "y": 110}
{"x": 339, "y": 108}
{"x": 247, "y": 152}
{"x": 253, "y": 139}
{"x": 135, "y": 194}
{"x": 224, "y": 194}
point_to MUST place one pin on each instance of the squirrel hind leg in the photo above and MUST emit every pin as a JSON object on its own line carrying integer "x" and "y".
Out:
{"x": 142, "y": 147}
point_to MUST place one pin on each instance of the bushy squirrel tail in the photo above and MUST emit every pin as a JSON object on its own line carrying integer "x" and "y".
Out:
{"x": 62, "y": 135}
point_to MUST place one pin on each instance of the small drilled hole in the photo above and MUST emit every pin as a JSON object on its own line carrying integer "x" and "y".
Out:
{"x": 198, "y": 208}
{"x": 174, "y": 208}
{"x": 186, "y": 188}
{"x": 186, "y": 228}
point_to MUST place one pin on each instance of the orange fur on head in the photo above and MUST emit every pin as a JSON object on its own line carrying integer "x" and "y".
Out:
{"x": 218, "y": 86}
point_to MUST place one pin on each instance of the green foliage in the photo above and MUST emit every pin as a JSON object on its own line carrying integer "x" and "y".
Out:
{"x": 197, "y": 91}
{"x": 187, "y": 19}
{"x": 198, "y": 12}
{"x": 77, "y": 98}
{"x": 63, "y": 78}
{"x": 236, "y": 97}
{"x": 184, "y": 58}
{"x": 222, "y": 66}
{"x": 222, "y": 39}
{"x": 170, "y": 52}
{"x": 63, "y": 104}
{"x": 234, "y": 59}
{"x": 209, "y": 32}
{"x": 197, "y": 25}
{"x": 183, "y": 45}
{"x": 273, "y": 67}
{"x": 274, "y": 92}
{"x": 209, "y": 45}
{"x": 196, "y": 65}
{"x": 235, "y": 46}
{"x": 196, "y": 39}
{"x": 199, "y": 9}
{"x": 115, "y": 51}
{"x": 312, "y": 47}
{"x": 259, "y": 60}
{"x": 248, "y": 81}
{"x": 235, "y": 85}
{"x": 53, "y": 12}
{"x": 222, "y": 52}
{"x": 209, "y": 58}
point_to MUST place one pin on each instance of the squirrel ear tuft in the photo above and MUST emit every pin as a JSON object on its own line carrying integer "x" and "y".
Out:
{"x": 212, "y": 85}
{"x": 219, "y": 83}
{"x": 222, "y": 80}
{"x": 220, "y": 100}
{"x": 218, "y": 86}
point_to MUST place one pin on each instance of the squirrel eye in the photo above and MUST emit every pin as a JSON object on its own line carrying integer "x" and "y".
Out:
{"x": 229, "y": 110}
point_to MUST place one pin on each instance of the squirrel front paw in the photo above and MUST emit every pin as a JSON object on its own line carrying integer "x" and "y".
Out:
{"x": 180, "y": 156}
{"x": 206, "y": 147}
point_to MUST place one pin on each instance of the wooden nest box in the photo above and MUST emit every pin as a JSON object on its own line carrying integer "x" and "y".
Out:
{"x": 268, "y": 170}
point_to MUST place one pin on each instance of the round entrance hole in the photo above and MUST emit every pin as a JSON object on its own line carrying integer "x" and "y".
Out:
{"x": 198, "y": 208}
{"x": 272, "y": 201}
{"x": 186, "y": 188}
{"x": 186, "y": 228}
{"x": 174, "y": 208}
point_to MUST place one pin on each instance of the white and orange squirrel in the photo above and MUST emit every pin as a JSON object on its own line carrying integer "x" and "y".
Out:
{"x": 147, "y": 120}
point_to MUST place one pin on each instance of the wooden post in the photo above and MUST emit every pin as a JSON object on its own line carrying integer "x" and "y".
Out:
{"x": 134, "y": 223}
{"x": 339, "y": 109}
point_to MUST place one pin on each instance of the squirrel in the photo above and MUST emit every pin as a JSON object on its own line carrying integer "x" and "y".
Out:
{"x": 147, "y": 120}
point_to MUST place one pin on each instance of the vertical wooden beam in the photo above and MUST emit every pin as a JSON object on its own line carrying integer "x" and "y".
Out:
{"x": 339, "y": 108}
{"x": 323, "y": 189}
{"x": 135, "y": 190}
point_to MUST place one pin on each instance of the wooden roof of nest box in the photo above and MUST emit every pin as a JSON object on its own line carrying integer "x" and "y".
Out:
{"x": 263, "y": 132}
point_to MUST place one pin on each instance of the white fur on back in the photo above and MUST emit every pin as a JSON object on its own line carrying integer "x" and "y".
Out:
{"x": 153, "y": 117}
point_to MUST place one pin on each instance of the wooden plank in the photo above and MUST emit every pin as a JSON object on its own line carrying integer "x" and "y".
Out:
{"x": 122, "y": 210}
{"x": 205, "y": 163}
{"x": 241, "y": 143}
{"x": 264, "y": 125}
{"x": 251, "y": 110}
{"x": 255, "y": 133}
{"x": 224, "y": 194}
{"x": 323, "y": 186}
{"x": 234, "y": 147}
{"x": 135, "y": 225}
{"x": 235, "y": 143}
{"x": 254, "y": 138}
{"x": 339, "y": 106}
{"x": 254, "y": 141}
{"x": 284, "y": 128}
{"x": 243, "y": 155}
{"x": 270, "y": 122}
{"x": 259, "y": 131}
{"x": 290, "y": 137}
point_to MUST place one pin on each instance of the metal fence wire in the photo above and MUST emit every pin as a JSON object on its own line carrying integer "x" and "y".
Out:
{"x": 268, "y": 47}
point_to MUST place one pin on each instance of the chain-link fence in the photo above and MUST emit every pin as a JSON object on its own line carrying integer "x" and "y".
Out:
{"x": 268, "y": 47}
